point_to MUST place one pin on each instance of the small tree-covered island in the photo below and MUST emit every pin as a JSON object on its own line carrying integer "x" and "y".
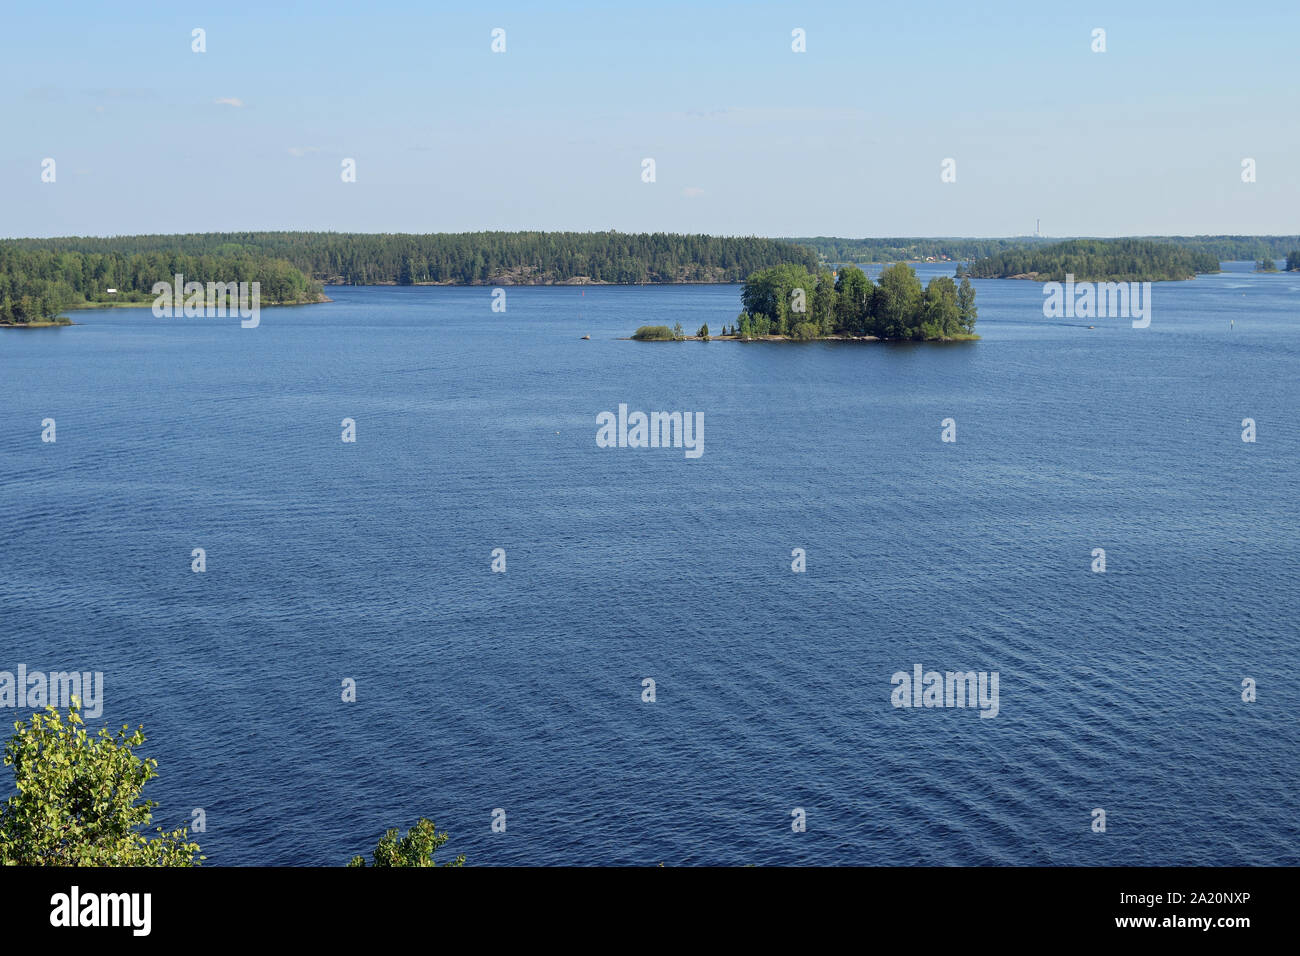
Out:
{"x": 788, "y": 303}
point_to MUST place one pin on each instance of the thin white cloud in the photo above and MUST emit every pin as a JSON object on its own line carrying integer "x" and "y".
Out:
{"x": 230, "y": 101}
{"x": 692, "y": 191}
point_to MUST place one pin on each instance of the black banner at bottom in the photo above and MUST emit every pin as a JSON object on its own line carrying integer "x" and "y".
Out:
{"x": 214, "y": 904}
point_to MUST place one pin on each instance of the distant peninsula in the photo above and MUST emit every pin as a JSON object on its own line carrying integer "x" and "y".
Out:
{"x": 833, "y": 251}
{"x": 1097, "y": 260}
{"x": 40, "y": 278}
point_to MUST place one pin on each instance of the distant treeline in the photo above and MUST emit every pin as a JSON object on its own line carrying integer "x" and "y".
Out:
{"x": 37, "y": 281}
{"x": 834, "y": 251}
{"x": 1095, "y": 260}
{"x": 790, "y": 301}
{"x": 1293, "y": 261}
{"x": 1233, "y": 248}
{"x": 40, "y": 277}
{"x": 1222, "y": 248}
{"x": 473, "y": 258}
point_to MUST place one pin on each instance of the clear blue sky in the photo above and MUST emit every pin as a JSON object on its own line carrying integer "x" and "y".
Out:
{"x": 748, "y": 137}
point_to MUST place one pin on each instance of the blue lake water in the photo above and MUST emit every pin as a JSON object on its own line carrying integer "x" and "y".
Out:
{"x": 478, "y": 690}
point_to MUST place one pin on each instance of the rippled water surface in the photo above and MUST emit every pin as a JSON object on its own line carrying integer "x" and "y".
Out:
{"x": 476, "y": 430}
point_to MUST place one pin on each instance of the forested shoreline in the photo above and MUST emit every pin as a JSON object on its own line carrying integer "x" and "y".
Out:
{"x": 1097, "y": 260}
{"x": 833, "y": 250}
{"x": 41, "y": 277}
{"x": 472, "y": 258}
{"x": 37, "y": 282}
{"x": 1232, "y": 248}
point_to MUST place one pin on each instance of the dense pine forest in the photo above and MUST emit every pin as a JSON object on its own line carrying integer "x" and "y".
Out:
{"x": 833, "y": 251}
{"x": 1222, "y": 248}
{"x": 1233, "y": 248}
{"x": 40, "y": 277}
{"x": 38, "y": 281}
{"x": 791, "y": 302}
{"x": 473, "y": 258}
{"x": 1097, "y": 260}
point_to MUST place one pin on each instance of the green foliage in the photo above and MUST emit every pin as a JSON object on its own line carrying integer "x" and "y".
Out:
{"x": 1232, "y": 248}
{"x": 1099, "y": 260}
{"x": 855, "y": 295}
{"x": 834, "y": 250}
{"x": 966, "y": 305}
{"x": 822, "y": 314}
{"x": 1266, "y": 265}
{"x": 851, "y": 305}
{"x": 1220, "y": 248}
{"x": 896, "y": 309}
{"x": 414, "y": 849}
{"x": 789, "y": 296}
{"x": 703, "y": 333}
{"x": 940, "y": 314}
{"x": 679, "y": 334}
{"x": 653, "y": 333}
{"x": 1293, "y": 261}
{"x": 753, "y": 326}
{"x": 78, "y": 799}
{"x": 40, "y": 277}
{"x": 470, "y": 258}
